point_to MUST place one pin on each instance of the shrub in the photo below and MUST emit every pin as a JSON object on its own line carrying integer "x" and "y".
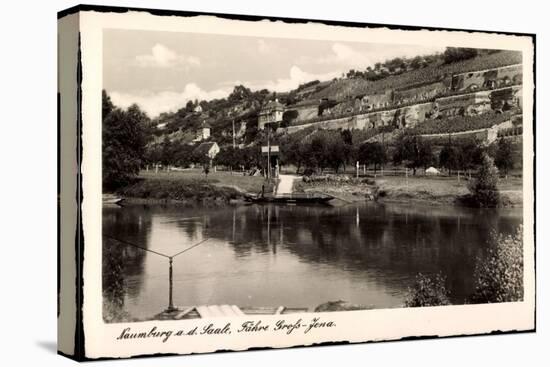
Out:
{"x": 428, "y": 291}
{"x": 483, "y": 189}
{"x": 114, "y": 283}
{"x": 499, "y": 274}
{"x": 182, "y": 189}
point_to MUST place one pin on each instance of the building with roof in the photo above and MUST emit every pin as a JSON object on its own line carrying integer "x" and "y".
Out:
{"x": 271, "y": 112}
{"x": 203, "y": 132}
{"x": 207, "y": 149}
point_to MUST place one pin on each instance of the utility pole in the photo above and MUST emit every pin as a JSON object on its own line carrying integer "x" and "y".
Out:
{"x": 233, "y": 123}
{"x": 268, "y": 152}
{"x": 383, "y": 150}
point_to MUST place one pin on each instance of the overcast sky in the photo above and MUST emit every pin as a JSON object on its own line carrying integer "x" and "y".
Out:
{"x": 161, "y": 71}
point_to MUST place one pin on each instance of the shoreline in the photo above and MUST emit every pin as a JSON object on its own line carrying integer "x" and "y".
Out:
{"x": 226, "y": 189}
{"x": 432, "y": 191}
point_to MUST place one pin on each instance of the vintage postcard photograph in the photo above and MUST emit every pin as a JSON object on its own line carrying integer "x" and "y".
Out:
{"x": 296, "y": 180}
{"x": 251, "y": 176}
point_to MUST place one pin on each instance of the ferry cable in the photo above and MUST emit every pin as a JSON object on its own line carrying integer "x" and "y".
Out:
{"x": 153, "y": 251}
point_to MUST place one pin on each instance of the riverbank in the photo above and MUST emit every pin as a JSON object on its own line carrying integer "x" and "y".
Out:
{"x": 441, "y": 190}
{"x": 431, "y": 190}
{"x": 344, "y": 190}
{"x": 191, "y": 186}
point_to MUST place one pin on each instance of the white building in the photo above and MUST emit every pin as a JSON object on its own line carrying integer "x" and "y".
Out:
{"x": 272, "y": 112}
{"x": 207, "y": 149}
{"x": 203, "y": 132}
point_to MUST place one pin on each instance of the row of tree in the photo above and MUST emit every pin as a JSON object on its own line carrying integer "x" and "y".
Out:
{"x": 316, "y": 150}
{"x": 469, "y": 155}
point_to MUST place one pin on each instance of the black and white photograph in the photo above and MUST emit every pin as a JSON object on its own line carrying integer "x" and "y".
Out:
{"x": 248, "y": 182}
{"x": 246, "y": 175}
{"x": 275, "y": 183}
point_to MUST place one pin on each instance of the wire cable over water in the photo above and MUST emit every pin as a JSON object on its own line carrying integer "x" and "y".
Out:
{"x": 153, "y": 251}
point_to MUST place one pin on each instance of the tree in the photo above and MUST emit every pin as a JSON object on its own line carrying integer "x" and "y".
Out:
{"x": 417, "y": 62}
{"x": 295, "y": 151}
{"x": 455, "y": 54}
{"x": 123, "y": 145}
{"x": 240, "y": 92}
{"x": 152, "y": 154}
{"x": 425, "y": 154}
{"x": 107, "y": 105}
{"x": 250, "y": 157}
{"x": 336, "y": 153}
{"x": 372, "y": 153}
{"x": 483, "y": 188}
{"x": 229, "y": 157}
{"x": 414, "y": 151}
{"x": 318, "y": 152}
{"x": 167, "y": 153}
{"x": 288, "y": 117}
{"x": 449, "y": 157}
{"x": 346, "y": 136}
{"x": 503, "y": 156}
{"x": 189, "y": 106}
{"x": 470, "y": 155}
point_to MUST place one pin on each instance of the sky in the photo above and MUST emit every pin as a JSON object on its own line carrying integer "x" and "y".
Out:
{"x": 161, "y": 71}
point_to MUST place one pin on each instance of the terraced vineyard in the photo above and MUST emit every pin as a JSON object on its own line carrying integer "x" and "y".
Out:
{"x": 460, "y": 123}
{"x": 348, "y": 87}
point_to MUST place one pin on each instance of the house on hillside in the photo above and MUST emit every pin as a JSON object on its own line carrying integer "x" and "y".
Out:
{"x": 203, "y": 132}
{"x": 207, "y": 150}
{"x": 272, "y": 112}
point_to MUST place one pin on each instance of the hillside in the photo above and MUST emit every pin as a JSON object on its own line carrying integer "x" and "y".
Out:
{"x": 314, "y": 102}
{"x": 342, "y": 88}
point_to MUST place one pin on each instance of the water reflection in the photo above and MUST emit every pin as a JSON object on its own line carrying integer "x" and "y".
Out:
{"x": 302, "y": 256}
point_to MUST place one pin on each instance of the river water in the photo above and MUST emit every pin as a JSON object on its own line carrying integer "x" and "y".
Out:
{"x": 295, "y": 256}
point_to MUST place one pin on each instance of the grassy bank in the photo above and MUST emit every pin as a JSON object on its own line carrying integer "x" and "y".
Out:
{"x": 192, "y": 185}
{"x": 439, "y": 190}
{"x": 433, "y": 190}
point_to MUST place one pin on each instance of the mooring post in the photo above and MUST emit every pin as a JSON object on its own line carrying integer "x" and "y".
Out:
{"x": 170, "y": 279}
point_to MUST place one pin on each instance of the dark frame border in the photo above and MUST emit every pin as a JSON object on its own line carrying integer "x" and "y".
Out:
{"x": 79, "y": 334}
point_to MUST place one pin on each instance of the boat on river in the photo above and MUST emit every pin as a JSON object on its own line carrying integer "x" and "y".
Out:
{"x": 294, "y": 198}
{"x": 110, "y": 199}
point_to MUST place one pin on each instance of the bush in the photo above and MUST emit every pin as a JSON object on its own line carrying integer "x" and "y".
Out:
{"x": 483, "y": 189}
{"x": 428, "y": 291}
{"x": 182, "y": 190}
{"x": 499, "y": 274}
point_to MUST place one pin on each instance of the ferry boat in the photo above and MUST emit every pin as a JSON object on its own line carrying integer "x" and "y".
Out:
{"x": 294, "y": 198}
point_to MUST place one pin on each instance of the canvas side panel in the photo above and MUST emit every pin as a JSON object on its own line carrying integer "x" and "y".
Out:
{"x": 67, "y": 63}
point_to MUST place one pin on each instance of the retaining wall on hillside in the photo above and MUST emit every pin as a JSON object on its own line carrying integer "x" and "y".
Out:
{"x": 473, "y": 103}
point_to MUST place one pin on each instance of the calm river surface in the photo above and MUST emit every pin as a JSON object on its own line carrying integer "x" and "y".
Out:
{"x": 296, "y": 256}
